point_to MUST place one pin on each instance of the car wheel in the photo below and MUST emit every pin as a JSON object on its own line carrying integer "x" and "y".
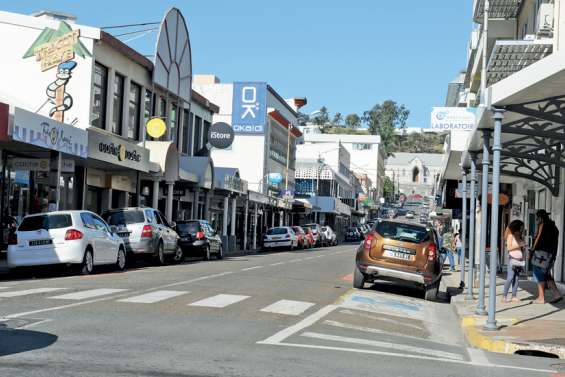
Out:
{"x": 220, "y": 254}
{"x": 206, "y": 255}
{"x": 87, "y": 263}
{"x": 358, "y": 279}
{"x": 161, "y": 258}
{"x": 431, "y": 291}
{"x": 178, "y": 256}
{"x": 121, "y": 260}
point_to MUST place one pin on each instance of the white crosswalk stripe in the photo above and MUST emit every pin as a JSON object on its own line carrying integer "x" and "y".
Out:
{"x": 219, "y": 301}
{"x": 27, "y": 292}
{"x": 288, "y": 307}
{"x": 153, "y": 297}
{"x": 88, "y": 294}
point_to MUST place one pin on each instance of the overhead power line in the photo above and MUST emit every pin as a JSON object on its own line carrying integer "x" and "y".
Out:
{"x": 136, "y": 32}
{"x": 130, "y": 25}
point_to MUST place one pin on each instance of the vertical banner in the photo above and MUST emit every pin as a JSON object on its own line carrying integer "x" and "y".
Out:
{"x": 249, "y": 107}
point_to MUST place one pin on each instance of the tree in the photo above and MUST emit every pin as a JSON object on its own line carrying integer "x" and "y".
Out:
{"x": 383, "y": 119}
{"x": 337, "y": 119}
{"x": 388, "y": 188}
{"x": 303, "y": 119}
{"x": 353, "y": 121}
{"x": 322, "y": 118}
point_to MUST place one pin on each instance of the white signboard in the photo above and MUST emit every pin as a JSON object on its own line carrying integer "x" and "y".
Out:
{"x": 453, "y": 118}
{"x": 40, "y": 164}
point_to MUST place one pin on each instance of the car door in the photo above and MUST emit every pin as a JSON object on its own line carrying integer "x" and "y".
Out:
{"x": 168, "y": 234}
{"x": 108, "y": 245}
{"x": 94, "y": 235}
{"x": 160, "y": 229}
{"x": 213, "y": 239}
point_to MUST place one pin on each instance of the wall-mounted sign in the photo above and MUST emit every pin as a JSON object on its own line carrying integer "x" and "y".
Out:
{"x": 274, "y": 178}
{"x": 47, "y": 133}
{"x": 109, "y": 148}
{"x": 156, "y": 127}
{"x": 176, "y": 191}
{"x": 40, "y": 164}
{"x": 249, "y": 107}
{"x": 220, "y": 135}
{"x": 453, "y": 118}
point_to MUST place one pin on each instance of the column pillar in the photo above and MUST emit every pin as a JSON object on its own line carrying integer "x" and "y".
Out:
{"x": 255, "y": 226}
{"x": 481, "y": 310}
{"x": 155, "y": 199}
{"x": 245, "y": 218}
{"x": 472, "y": 214}
{"x": 463, "y": 235}
{"x": 169, "y": 205}
{"x": 281, "y": 218}
{"x": 195, "y": 198}
{"x": 225, "y": 218}
{"x": 496, "y": 148}
{"x": 233, "y": 213}
{"x": 207, "y": 198}
{"x": 273, "y": 218}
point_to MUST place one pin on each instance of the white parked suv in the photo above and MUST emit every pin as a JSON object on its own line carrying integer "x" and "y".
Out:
{"x": 65, "y": 237}
{"x": 279, "y": 237}
{"x": 329, "y": 236}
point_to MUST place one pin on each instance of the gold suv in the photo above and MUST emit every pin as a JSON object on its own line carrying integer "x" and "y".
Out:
{"x": 399, "y": 251}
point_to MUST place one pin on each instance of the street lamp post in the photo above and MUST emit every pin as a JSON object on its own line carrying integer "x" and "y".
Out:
{"x": 290, "y": 127}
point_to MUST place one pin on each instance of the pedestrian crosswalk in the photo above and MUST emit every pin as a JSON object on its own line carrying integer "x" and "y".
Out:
{"x": 284, "y": 307}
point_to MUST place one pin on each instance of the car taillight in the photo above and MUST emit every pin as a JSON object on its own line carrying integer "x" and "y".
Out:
{"x": 73, "y": 234}
{"x": 147, "y": 231}
{"x": 200, "y": 235}
{"x": 12, "y": 239}
{"x": 367, "y": 242}
{"x": 432, "y": 252}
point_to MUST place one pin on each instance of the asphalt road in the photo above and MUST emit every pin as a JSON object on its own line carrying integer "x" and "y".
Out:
{"x": 276, "y": 314}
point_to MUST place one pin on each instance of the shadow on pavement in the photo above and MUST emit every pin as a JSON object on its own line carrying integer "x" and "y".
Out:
{"x": 19, "y": 340}
{"x": 406, "y": 290}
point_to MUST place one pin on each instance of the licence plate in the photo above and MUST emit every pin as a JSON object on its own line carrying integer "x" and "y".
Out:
{"x": 40, "y": 242}
{"x": 276, "y": 238}
{"x": 397, "y": 255}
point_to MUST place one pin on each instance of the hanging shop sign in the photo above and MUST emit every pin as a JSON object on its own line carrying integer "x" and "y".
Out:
{"x": 453, "y": 118}
{"x": 112, "y": 149}
{"x": 156, "y": 127}
{"x": 249, "y": 107}
{"x": 34, "y": 129}
{"x": 220, "y": 135}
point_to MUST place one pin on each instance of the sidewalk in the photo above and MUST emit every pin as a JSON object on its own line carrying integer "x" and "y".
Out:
{"x": 525, "y": 327}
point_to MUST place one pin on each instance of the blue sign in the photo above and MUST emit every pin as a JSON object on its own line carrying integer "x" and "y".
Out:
{"x": 249, "y": 107}
{"x": 22, "y": 177}
{"x": 274, "y": 178}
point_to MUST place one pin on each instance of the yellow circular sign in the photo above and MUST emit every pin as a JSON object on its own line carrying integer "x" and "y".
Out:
{"x": 156, "y": 127}
{"x": 121, "y": 152}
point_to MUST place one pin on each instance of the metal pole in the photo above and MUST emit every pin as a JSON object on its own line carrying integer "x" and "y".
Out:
{"x": 481, "y": 310}
{"x": 255, "y": 226}
{"x": 485, "y": 52}
{"x": 463, "y": 234}
{"x": 287, "y": 157}
{"x": 472, "y": 214}
{"x": 496, "y": 148}
{"x": 58, "y": 179}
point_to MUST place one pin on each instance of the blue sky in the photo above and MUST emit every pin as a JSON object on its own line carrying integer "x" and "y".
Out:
{"x": 344, "y": 55}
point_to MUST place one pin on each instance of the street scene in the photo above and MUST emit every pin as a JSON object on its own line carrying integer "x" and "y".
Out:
{"x": 176, "y": 202}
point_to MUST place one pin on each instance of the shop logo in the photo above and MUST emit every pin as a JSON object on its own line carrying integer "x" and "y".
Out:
{"x": 220, "y": 135}
{"x": 120, "y": 151}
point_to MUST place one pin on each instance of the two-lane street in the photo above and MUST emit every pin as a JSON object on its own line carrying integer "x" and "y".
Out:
{"x": 274, "y": 314}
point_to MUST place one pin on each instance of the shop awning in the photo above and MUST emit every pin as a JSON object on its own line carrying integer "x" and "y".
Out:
{"x": 200, "y": 167}
{"x": 166, "y": 156}
{"x": 228, "y": 179}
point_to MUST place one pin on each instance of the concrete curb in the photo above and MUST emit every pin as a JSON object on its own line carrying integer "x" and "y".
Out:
{"x": 477, "y": 339}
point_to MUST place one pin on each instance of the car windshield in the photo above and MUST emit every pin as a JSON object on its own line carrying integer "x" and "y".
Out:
{"x": 402, "y": 232}
{"x": 275, "y": 231}
{"x": 189, "y": 228}
{"x": 124, "y": 217}
{"x": 46, "y": 222}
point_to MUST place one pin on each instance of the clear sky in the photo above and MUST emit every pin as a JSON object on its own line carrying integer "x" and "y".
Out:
{"x": 346, "y": 55}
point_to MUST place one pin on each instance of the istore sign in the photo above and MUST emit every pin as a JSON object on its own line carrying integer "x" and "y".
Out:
{"x": 453, "y": 118}
{"x": 249, "y": 107}
{"x": 220, "y": 135}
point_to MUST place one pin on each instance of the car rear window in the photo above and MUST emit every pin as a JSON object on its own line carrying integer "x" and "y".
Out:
{"x": 46, "y": 222}
{"x": 402, "y": 232}
{"x": 124, "y": 217}
{"x": 273, "y": 231}
{"x": 190, "y": 228}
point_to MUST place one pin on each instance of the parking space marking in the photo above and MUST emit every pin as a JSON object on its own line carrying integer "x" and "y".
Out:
{"x": 252, "y": 268}
{"x": 277, "y": 264}
{"x": 152, "y": 297}
{"x": 383, "y": 319}
{"x": 91, "y": 293}
{"x": 27, "y": 292}
{"x": 288, "y": 307}
{"x": 219, "y": 301}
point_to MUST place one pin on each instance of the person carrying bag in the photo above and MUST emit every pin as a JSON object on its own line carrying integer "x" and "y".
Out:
{"x": 515, "y": 246}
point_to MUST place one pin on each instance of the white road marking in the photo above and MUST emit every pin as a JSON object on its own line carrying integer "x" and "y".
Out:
{"x": 189, "y": 281}
{"x": 306, "y": 322}
{"x": 252, "y": 268}
{"x": 379, "y": 344}
{"x": 91, "y": 293}
{"x": 478, "y": 356}
{"x": 288, "y": 307}
{"x": 408, "y": 356}
{"x": 152, "y": 297}
{"x": 219, "y": 301}
{"x": 26, "y": 292}
{"x": 364, "y": 315}
{"x": 277, "y": 264}
{"x": 309, "y": 258}
{"x": 294, "y": 260}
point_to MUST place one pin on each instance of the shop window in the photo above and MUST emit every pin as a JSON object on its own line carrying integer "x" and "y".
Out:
{"x": 117, "y": 104}
{"x": 190, "y": 139}
{"x": 173, "y": 123}
{"x": 99, "y": 90}
{"x": 185, "y": 131}
{"x": 197, "y": 134}
{"x": 134, "y": 105}
{"x": 205, "y": 132}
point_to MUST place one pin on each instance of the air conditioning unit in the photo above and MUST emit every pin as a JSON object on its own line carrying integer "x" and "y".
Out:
{"x": 545, "y": 20}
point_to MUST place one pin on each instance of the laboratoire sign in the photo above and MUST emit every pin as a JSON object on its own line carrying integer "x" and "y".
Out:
{"x": 112, "y": 149}
{"x": 453, "y": 118}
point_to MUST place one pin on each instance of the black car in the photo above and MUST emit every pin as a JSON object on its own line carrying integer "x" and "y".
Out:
{"x": 198, "y": 237}
{"x": 353, "y": 234}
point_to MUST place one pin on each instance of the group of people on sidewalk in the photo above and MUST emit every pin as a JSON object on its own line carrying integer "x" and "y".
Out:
{"x": 541, "y": 257}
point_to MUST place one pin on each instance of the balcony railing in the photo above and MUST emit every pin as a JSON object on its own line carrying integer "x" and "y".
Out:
{"x": 497, "y": 9}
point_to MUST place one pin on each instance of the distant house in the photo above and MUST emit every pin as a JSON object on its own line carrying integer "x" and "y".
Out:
{"x": 414, "y": 173}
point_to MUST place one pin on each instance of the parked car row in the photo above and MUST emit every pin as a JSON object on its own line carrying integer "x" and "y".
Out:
{"x": 358, "y": 233}
{"x": 85, "y": 240}
{"x": 299, "y": 237}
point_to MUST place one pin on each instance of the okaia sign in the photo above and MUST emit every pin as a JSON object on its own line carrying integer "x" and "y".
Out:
{"x": 220, "y": 135}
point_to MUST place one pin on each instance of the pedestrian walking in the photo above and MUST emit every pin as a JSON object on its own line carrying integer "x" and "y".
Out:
{"x": 543, "y": 256}
{"x": 515, "y": 245}
{"x": 458, "y": 247}
{"x": 447, "y": 247}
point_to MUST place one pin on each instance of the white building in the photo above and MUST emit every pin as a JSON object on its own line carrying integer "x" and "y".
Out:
{"x": 414, "y": 173}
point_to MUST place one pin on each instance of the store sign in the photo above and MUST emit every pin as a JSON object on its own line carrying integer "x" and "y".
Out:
{"x": 109, "y": 148}
{"x": 274, "y": 178}
{"x": 220, "y": 135}
{"x": 176, "y": 191}
{"x": 40, "y": 164}
{"x": 453, "y": 118}
{"x": 34, "y": 129}
{"x": 249, "y": 107}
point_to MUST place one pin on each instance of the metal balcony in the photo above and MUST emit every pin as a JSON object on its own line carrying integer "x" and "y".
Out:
{"x": 497, "y": 9}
